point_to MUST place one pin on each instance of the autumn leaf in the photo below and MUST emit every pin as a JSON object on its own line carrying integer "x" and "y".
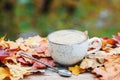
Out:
{"x": 42, "y": 46}
{"x": 76, "y": 70}
{"x": 117, "y": 38}
{"x": 3, "y": 54}
{"x": 107, "y": 41}
{"x": 4, "y": 73}
{"x": 2, "y": 38}
{"x": 10, "y": 59}
{"x": 49, "y": 61}
{"x": 32, "y": 41}
{"x": 17, "y": 71}
{"x": 12, "y": 45}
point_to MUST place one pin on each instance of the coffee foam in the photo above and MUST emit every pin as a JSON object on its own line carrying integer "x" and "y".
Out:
{"x": 67, "y": 37}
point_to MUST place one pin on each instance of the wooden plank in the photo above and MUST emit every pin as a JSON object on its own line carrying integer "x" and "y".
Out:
{"x": 48, "y": 75}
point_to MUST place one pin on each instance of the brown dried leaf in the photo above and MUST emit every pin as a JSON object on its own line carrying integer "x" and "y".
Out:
{"x": 111, "y": 68}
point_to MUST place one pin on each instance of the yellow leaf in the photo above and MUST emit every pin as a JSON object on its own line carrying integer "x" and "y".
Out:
{"x": 76, "y": 70}
{"x": 17, "y": 71}
{"x": 2, "y": 38}
{"x": 4, "y": 73}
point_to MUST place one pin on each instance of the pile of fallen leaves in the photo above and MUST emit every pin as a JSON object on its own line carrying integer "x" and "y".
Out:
{"x": 105, "y": 63}
{"x": 15, "y": 67}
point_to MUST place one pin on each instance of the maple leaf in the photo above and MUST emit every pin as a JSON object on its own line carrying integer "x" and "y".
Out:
{"x": 32, "y": 41}
{"x": 2, "y": 38}
{"x": 49, "y": 61}
{"x": 76, "y": 70}
{"x": 117, "y": 37}
{"x": 107, "y": 41}
{"x": 4, "y": 73}
{"x": 42, "y": 46}
{"x": 111, "y": 68}
{"x": 10, "y": 59}
{"x": 12, "y": 45}
{"x": 17, "y": 71}
{"x": 23, "y": 47}
{"x": 3, "y": 53}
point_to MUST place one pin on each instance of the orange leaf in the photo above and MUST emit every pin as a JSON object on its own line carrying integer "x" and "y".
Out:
{"x": 4, "y": 73}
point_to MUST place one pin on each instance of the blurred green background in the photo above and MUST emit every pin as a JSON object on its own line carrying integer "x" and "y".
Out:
{"x": 99, "y": 17}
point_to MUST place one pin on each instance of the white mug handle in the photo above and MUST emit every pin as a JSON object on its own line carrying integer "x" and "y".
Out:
{"x": 98, "y": 47}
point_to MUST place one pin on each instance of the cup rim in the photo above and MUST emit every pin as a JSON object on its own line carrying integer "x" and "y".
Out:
{"x": 67, "y": 44}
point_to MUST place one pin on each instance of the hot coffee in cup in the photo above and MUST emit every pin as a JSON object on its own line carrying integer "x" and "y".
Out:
{"x": 68, "y": 47}
{"x": 67, "y": 37}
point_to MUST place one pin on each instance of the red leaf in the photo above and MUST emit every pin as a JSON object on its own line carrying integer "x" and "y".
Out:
{"x": 46, "y": 60}
{"x": 42, "y": 47}
{"x": 37, "y": 65}
{"x": 117, "y": 38}
{"x": 22, "y": 60}
{"x": 105, "y": 38}
{"x": 3, "y": 53}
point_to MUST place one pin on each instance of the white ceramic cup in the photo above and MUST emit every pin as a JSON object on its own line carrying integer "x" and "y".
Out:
{"x": 70, "y": 53}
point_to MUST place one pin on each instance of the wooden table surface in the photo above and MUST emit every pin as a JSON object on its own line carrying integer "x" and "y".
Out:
{"x": 48, "y": 75}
